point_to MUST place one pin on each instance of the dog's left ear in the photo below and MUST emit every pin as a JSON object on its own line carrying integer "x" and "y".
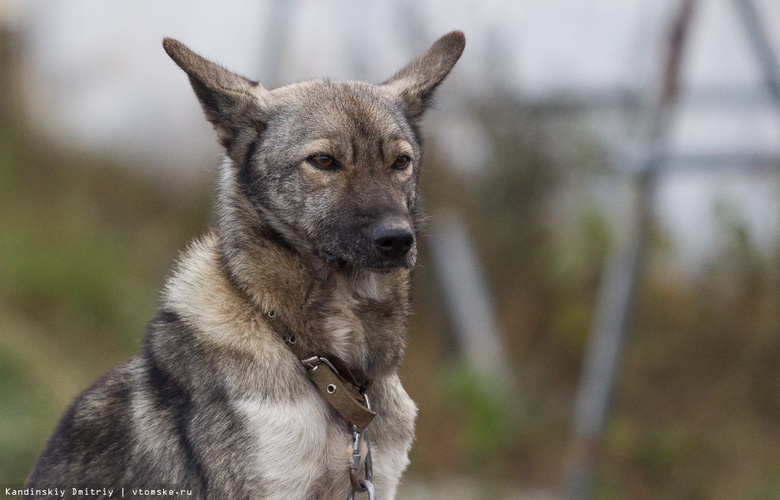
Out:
{"x": 233, "y": 104}
{"x": 417, "y": 81}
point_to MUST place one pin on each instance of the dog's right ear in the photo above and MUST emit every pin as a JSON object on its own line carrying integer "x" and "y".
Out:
{"x": 231, "y": 102}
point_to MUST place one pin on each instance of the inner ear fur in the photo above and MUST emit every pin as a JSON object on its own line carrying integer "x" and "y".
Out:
{"x": 418, "y": 80}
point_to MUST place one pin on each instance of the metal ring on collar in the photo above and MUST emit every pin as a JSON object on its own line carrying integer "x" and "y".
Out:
{"x": 366, "y": 485}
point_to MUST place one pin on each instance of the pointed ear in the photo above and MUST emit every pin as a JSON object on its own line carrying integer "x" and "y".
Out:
{"x": 416, "y": 82}
{"x": 231, "y": 102}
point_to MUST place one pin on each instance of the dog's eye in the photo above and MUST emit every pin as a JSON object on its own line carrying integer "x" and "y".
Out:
{"x": 323, "y": 161}
{"x": 401, "y": 162}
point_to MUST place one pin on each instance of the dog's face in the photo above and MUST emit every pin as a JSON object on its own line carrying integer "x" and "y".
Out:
{"x": 330, "y": 166}
{"x": 337, "y": 168}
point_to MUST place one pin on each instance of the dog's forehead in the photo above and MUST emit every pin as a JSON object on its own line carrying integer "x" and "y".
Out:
{"x": 337, "y": 106}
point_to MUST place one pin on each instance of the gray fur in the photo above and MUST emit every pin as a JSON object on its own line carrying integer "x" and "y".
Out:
{"x": 216, "y": 403}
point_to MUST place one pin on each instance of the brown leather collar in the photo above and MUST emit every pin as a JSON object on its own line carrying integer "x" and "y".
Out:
{"x": 333, "y": 378}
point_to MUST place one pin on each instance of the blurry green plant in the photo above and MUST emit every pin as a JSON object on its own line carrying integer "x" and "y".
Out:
{"x": 83, "y": 250}
{"x": 697, "y": 408}
{"x": 485, "y": 412}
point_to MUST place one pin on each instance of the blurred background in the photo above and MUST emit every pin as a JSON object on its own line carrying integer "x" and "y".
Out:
{"x": 597, "y": 306}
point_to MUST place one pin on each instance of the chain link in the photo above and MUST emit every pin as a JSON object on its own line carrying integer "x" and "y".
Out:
{"x": 361, "y": 485}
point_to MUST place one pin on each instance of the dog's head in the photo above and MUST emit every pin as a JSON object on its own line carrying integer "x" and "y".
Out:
{"x": 330, "y": 166}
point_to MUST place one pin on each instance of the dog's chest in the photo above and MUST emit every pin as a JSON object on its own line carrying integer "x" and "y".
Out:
{"x": 297, "y": 452}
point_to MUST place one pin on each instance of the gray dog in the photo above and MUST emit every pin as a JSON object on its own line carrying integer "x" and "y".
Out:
{"x": 270, "y": 370}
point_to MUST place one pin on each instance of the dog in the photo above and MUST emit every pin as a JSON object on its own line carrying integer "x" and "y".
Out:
{"x": 270, "y": 370}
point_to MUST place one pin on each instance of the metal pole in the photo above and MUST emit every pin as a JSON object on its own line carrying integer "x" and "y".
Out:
{"x": 760, "y": 42}
{"x": 618, "y": 288}
{"x": 468, "y": 300}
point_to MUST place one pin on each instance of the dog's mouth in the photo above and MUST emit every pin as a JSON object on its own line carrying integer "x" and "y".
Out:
{"x": 371, "y": 262}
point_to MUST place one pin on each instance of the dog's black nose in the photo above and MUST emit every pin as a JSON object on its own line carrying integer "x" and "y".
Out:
{"x": 393, "y": 239}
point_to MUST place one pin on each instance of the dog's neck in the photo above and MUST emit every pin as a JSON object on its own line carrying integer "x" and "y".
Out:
{"x": 357, "y": 315}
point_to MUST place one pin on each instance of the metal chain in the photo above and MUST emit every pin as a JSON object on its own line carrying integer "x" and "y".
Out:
{"x": 361, "y": 485}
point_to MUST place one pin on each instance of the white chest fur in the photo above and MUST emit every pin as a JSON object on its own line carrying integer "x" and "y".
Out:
{"x": 302, "y": 452}
{"x": 292, "y": 451}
